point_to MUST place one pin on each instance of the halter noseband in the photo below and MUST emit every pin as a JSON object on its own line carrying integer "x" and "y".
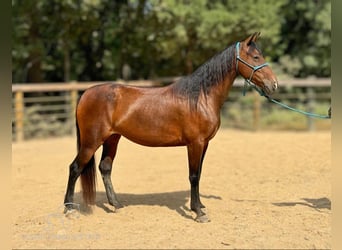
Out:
{"x": 254, "y": 68}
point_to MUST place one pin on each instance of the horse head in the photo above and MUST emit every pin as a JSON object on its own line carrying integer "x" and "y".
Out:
{"x": 252, "y": 66}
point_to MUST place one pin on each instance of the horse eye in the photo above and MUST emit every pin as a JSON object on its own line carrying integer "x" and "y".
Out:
{"x": 256, "y": 57}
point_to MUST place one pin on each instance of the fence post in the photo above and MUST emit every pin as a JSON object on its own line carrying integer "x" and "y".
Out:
{"x": 19, "y": 115}
{"x": 311, "y": 106}
{"x": 73, "y": 104}
{"x": 256, "y": 111}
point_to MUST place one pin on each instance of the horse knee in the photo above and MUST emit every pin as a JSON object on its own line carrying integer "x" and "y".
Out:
{"x": 193, "y": 179}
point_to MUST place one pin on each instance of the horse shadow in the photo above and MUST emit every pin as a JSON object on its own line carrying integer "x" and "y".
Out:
{"x": 177, "y": 201}
{"x": 317, "y": 204}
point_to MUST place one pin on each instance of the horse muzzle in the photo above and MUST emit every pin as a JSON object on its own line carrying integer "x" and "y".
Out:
{"x": 270, "y": 86}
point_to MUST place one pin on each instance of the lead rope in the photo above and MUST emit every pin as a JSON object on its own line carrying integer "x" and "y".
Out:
{"x": 261, "y": 93}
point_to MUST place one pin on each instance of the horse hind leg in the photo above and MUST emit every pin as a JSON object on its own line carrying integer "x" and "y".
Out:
{"x": 74, "y": 173}
{"x": 83, "y": 165}
{"x": 108, "y": 155}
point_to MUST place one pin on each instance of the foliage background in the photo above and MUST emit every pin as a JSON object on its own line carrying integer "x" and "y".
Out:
{"x": 94, "y": 40}
{"x": 106, "y": 40}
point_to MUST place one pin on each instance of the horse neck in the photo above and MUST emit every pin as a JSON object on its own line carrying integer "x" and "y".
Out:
{"x": 222, "y": 68}
{"x": 218, "y": 94}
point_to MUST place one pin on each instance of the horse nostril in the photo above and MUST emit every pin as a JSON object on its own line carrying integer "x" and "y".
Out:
{"x": 275, "y": 85}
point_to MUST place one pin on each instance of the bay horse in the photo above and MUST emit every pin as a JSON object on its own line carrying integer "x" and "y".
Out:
{"x": 184, "y": 113}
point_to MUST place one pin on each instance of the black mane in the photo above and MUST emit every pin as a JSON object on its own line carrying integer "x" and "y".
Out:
{"x": 206, "y": 76}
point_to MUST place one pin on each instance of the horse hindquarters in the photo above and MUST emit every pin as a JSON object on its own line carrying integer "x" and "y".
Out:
{"x": 91, "y": 125}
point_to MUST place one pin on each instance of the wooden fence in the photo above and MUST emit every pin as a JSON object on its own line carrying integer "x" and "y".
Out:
{"x": 56, "y": 103}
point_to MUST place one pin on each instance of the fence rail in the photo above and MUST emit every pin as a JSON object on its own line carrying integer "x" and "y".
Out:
{"x": 56, "y": 102}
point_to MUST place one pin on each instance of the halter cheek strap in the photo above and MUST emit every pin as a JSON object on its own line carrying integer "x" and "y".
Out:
{"x": 254, "y": 68}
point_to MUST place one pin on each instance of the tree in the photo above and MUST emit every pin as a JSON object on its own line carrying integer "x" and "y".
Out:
{"x": 89, "y": 40}
{"x": 306, "y": 37}
{"x": 202, "y": 28}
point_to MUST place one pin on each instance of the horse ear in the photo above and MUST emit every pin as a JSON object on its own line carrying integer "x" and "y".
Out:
{"x": 252, "y": 38}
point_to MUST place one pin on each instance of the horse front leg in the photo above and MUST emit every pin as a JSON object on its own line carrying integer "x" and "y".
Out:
{"x": 196, "y": 153}
{"x": 200, "y": 170}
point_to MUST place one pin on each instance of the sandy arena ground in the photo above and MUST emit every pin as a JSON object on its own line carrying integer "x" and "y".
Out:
{"x": 261, "y": 190}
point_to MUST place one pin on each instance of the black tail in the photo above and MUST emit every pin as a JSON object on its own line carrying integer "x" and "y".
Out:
{"x": 88, "y": 175}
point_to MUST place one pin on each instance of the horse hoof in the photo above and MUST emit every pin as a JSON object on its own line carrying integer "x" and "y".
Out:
{"x": 71, "y": 213}
{"x": 118, "y": 206}
{"x": 67, "y": 210}
{"x": 202, "y": 219}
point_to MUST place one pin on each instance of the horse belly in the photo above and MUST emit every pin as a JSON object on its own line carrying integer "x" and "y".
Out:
{"x": 153, "y": 136}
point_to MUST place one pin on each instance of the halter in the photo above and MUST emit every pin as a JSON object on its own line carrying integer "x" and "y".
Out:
{"x": 261, "y": 92}
{"x": 254, "y": 68}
